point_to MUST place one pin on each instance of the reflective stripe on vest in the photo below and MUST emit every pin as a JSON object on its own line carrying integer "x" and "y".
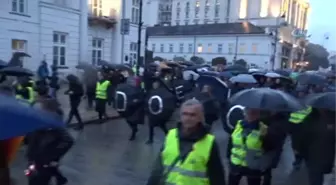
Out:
{"x": 252, "y": 144}
{"x": 194, "y": 167}
{"x": 31, "y": 95}
{"x": 299, "y": 116}
{"x": 101, "y": 90}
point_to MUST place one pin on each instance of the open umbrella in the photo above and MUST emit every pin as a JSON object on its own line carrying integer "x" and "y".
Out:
{"x": 237, "y": 68}
{"x": 311, "y": 78}
{"x": 324, "y": 100}
{"x": 15, "y": 60}
{"x": 283, "y": 72}
{"x": 243, "y": 78}
{"x": 272, "y": 75}
{"x": 266, "y": 99}
{"x": 17, "y": 119}
{"x": 3, "y": 64}
{"x": 16, "y": 71}
{"x": 226, "y": 74}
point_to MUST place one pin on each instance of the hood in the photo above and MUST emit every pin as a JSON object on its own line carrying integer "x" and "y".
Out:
{"x": 197, "y": 135}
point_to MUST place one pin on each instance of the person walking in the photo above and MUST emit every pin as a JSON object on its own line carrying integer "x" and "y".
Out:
{"x": 190, "y": 154}
{"x": 101, "y": 95}
{"x": 75, "y": 93}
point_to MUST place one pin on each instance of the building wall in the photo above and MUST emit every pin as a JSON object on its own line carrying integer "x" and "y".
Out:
{"x": 254, "y": 49}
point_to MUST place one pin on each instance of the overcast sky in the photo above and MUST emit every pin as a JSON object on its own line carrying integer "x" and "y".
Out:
{"x": 322, "y": 21}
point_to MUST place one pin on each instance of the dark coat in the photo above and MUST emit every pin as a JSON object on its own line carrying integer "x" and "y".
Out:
{"x": 45, "y": 146}
{"x": 315, "y": 141}
{"x": 215, "y": 170}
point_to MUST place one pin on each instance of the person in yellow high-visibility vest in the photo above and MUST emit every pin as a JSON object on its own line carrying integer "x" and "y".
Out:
{"x": 102, "y": 95}
{"x": 24, "y": 91}
{"x": 190, "y": 154}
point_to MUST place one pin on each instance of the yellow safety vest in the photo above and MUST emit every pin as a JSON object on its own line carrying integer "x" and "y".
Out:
{"x": 240, "y": 148}
{"x": 299, "y": 116}
{"x": 31, "y": 95}
{"x": 134, "y": 69}
{"x": 193, "y": 169}
{"x": 101, "y": 90}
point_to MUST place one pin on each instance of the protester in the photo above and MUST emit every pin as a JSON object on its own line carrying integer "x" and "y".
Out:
{"x": 75, "y": 93}
{"x": 46, "y": 147}
{"x": 189, "y": 143}
{"x": 43, "y": 73}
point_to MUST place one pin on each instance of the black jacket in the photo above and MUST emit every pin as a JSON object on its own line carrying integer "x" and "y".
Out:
{"x": 315, "y": 141}
{"x": 215, "y": 169}
{"x": 76, "y": 92}
{"x": 47, "y": 145}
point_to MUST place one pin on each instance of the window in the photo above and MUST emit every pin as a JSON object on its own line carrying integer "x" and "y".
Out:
{"x": 209, "y": 48}
{"x": 243, "y": 9}
{"x": 197, "y": 7}
{"x": 135, "y": 11}
{"x": 19, "y": 6}
{"x": 18, "y": 45}
{"x": 230, "y": 48}
{"x": 181, "y": 48}
{"x": 59, "y": 49}
{"x": 97, "y": 7}
{"x": 254, "y": 47}
{"x": 178, "y": 10}
{"x": 187, "y": 10}
{"x": 153, "y": 47}
{"x": 199, "y": 48}
{"x": 220, "y": 48}
{"x": 264, "y": 8}
{"x": 206, "y": 8}
{"x": 171, "y": 48}
{"x": 206, "y": 21}
{"x": 190, "y": 48}
{"x": 161, "y": 48}
{"x": 186, "y": 22}
{"x": 242, "y": 48}
{"x": 177, "y": 23}
{"x": 217, "y": 7}
{"x": 97, "y": 50}
{"x": 133, "y": 52}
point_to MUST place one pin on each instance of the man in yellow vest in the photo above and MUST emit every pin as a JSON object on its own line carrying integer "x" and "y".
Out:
{"x": 102, "y": 95}
{"x": 190, "y": 154}
{"x": 247, "y": 149}
{"x": 24, "y": 91}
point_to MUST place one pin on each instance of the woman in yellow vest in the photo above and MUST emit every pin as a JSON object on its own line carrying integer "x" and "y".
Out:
{"x": 247, "y": 147}
{"x": 102, "y": 95}
{"x": 190, "y": 155}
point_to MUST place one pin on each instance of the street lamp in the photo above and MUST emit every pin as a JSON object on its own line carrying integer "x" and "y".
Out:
{"x": 139, "y": 38}
{"x": 276, "y": 39}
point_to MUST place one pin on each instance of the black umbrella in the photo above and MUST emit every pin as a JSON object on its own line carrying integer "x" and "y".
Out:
{"x": 15, "y": 60}
{"x": 3, "y": 64}
{"x": 311, "y": 78}
{"x": 186, "y": 63}
{"x": 324, "y": 100}
{"x": 266, "y": 99}
{"x": 237, "y": 68}
{"x": 283, "y": 72}
{"x": 219, "y": 88}
{"x": 16, "y": 71}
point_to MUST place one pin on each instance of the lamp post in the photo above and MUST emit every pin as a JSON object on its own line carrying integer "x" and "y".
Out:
{"x": 139, "y": 38}
{"x": 276, "y": 39}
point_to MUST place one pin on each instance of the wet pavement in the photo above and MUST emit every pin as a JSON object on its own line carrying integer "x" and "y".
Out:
{"x": 103, "y": 155}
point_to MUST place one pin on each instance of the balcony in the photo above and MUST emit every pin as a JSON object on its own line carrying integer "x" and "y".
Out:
{"x": 96, "y": 17}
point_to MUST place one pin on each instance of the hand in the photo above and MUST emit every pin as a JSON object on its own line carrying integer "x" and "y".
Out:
{"x": 263, "y": 131}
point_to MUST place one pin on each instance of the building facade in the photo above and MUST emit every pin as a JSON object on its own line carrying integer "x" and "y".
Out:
{"x": 66, "y": 32}
{"x": 278, "y": 17}
{"x": 233, "y": 41}
{"x": 160, "y": 12}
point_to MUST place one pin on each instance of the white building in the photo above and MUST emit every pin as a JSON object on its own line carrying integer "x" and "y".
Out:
{"x": 65, "y": 32}
{"x": 160, "y": 12}
{"x": 229, "y": 40}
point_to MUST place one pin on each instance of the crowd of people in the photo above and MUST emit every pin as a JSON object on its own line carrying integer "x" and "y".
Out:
{"x": 190, "y": 153}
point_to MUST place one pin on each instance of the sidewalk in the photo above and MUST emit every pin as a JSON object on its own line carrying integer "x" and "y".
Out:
{"x": 88, "y": 116}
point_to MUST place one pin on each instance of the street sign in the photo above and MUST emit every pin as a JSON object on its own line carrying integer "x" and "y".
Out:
{"x": 125, "y": 26}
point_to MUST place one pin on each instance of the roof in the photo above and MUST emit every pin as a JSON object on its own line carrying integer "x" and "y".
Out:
{"x": 205, "y": 29}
